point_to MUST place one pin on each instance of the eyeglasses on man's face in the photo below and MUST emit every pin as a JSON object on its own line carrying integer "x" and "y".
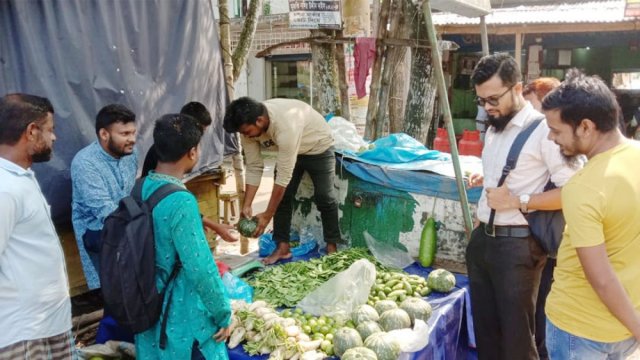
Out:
{"x": 492, "y": 100}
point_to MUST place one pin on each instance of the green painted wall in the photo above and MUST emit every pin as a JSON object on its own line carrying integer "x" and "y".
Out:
{"x": 383, "y": 212}
{"x": 624, "y": 58}
{"x": 593, "y": 61}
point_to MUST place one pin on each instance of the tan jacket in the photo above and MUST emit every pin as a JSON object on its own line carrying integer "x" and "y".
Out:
{"x": 295, "y": 128}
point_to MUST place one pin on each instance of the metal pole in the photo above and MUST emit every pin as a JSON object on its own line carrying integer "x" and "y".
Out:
{"x": 484, "y": 38}
{"x": 518, "y": 50}
{"x": 446, "y": 111}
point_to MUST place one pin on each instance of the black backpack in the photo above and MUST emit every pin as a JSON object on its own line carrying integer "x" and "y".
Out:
{"x": 128, "y": 262}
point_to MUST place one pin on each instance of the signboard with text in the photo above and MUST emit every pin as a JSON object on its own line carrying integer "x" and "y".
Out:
{"x": 314, "y": 14}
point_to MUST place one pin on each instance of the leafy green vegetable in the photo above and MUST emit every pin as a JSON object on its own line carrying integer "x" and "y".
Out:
{"x": 287, "y": 284}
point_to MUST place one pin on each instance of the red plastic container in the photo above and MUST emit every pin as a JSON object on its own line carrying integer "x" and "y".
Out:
{"x": 441, "y": 142}
{"x": 470, "y": 143}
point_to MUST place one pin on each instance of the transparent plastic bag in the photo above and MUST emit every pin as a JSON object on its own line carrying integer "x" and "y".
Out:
{"x": 342, "y": 293}
{"x": 411, "y": 340}
{"x": 388, "y": 254}
{"x": 236, "y": 288}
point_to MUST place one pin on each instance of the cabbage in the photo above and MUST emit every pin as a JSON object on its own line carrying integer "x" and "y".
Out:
{"x": 358, "y": 353}
{"x": 367, "y": 328}
{"x": 417, "y": 309}
{"x": 441, "y": 280}
{"x": 384, "y": 305}
{"x": 344, "y": 339}
{"x": 384, "y": 346}
{"x": 364, "y": 313}
{"x": 395, "y": 319}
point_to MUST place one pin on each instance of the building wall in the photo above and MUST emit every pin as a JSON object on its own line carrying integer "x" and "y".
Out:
{"x": 256, "y": 84}
{"x": 279, "y": 6}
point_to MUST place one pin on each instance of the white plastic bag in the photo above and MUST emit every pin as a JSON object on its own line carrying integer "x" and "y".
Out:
{"x": 387, "y": 254}
{"x": 342, "y": 293}
{"x": 345, "y": 135}
{"x": 411, "y": 340}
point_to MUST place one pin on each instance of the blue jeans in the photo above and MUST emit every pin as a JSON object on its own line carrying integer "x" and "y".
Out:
{"x": 563, "y": 346}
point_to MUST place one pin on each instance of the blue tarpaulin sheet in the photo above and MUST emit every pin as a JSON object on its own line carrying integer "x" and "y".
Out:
{"x": 399, "y": 161}
{"x": 419, "y": 182}
{"x": 448, "y": 338}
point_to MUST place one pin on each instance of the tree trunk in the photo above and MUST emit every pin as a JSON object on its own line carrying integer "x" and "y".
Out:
{"x": 372, "y": 109}
{"x": 398, "y": 93}
{"x": 231, "y": 73}
{"x": 375, "y": 10}
{"x": 225, "y": 46}
{"x": 246, "y": 37}
{"x": 326, "y": 95}
{"x": 342, "y": 80}
{"x": 422, "y": 87}
{"x": 391, "y": 58}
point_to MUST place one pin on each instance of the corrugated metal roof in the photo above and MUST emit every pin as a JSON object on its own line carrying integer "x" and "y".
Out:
{"x": 587, "y": 12}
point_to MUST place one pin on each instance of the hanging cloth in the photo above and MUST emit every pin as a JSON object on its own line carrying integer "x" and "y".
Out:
{"x": 364, "y": 54}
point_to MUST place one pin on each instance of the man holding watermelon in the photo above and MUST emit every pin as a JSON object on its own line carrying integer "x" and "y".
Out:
{"x": 593, "y": 310}
{"x": 305, "y": 144}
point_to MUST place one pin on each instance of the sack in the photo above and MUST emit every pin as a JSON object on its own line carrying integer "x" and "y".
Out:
{"x": 546, "y": 228}
{"x": 128, "y": 261}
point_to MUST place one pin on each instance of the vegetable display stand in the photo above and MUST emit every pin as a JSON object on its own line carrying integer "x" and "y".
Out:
{"x": 449, "y": 330}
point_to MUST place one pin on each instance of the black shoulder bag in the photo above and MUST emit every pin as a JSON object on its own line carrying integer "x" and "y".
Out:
{"x": 546, "y": 226}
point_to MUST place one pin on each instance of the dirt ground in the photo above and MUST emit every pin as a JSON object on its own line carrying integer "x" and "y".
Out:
{"x": 259, "y": 204}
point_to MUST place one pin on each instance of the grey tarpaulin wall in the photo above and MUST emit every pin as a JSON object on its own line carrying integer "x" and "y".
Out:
{"x": 152, "y": 56}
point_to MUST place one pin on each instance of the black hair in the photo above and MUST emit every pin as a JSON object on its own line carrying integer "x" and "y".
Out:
{"x": 111, "y": 114}
{"x": 582, "y": 97}
{"x": 502, "y": 64}
{"x": 17, "y": 111}
{"x": 199, "y": 112}
{"x": 244, "y": 110}
{"x": 174, "y": 135}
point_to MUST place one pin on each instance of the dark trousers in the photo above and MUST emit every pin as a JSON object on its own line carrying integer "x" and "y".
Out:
{"x": 196, "y": 354}
{"x": 93, "y": 244}
{"x": 504, "y": 275}
{"x": 322, "y": 170}
{"x": 541, "y": 319}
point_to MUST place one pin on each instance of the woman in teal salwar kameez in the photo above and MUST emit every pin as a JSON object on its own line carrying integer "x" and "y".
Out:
{"x": 199, "y": 307}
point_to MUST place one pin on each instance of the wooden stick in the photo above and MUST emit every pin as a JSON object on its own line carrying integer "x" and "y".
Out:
{"x": 414, "y": 43}
{"x": 86, "y": 329}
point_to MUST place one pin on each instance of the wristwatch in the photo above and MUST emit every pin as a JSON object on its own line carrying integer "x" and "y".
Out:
{"x": 524, "y": 201}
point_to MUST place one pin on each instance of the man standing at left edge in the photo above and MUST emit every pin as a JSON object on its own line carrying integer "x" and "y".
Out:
{"x": 102, "y": 174}
{"x": 35, "y": 309}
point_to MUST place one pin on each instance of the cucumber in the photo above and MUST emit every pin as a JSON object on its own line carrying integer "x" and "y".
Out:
{"x": 427, "y": 251}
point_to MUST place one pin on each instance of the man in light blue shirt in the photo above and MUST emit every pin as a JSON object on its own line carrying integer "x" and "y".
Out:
{"x": 35, "y": 309}
{"x": 102, "y": 174}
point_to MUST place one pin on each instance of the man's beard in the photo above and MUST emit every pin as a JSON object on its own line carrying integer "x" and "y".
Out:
{"x": 573, "y": 161}
{"x": 499, "y": 123}
{"x": 115, "y": 151}
{"x": 42, "y": 156}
